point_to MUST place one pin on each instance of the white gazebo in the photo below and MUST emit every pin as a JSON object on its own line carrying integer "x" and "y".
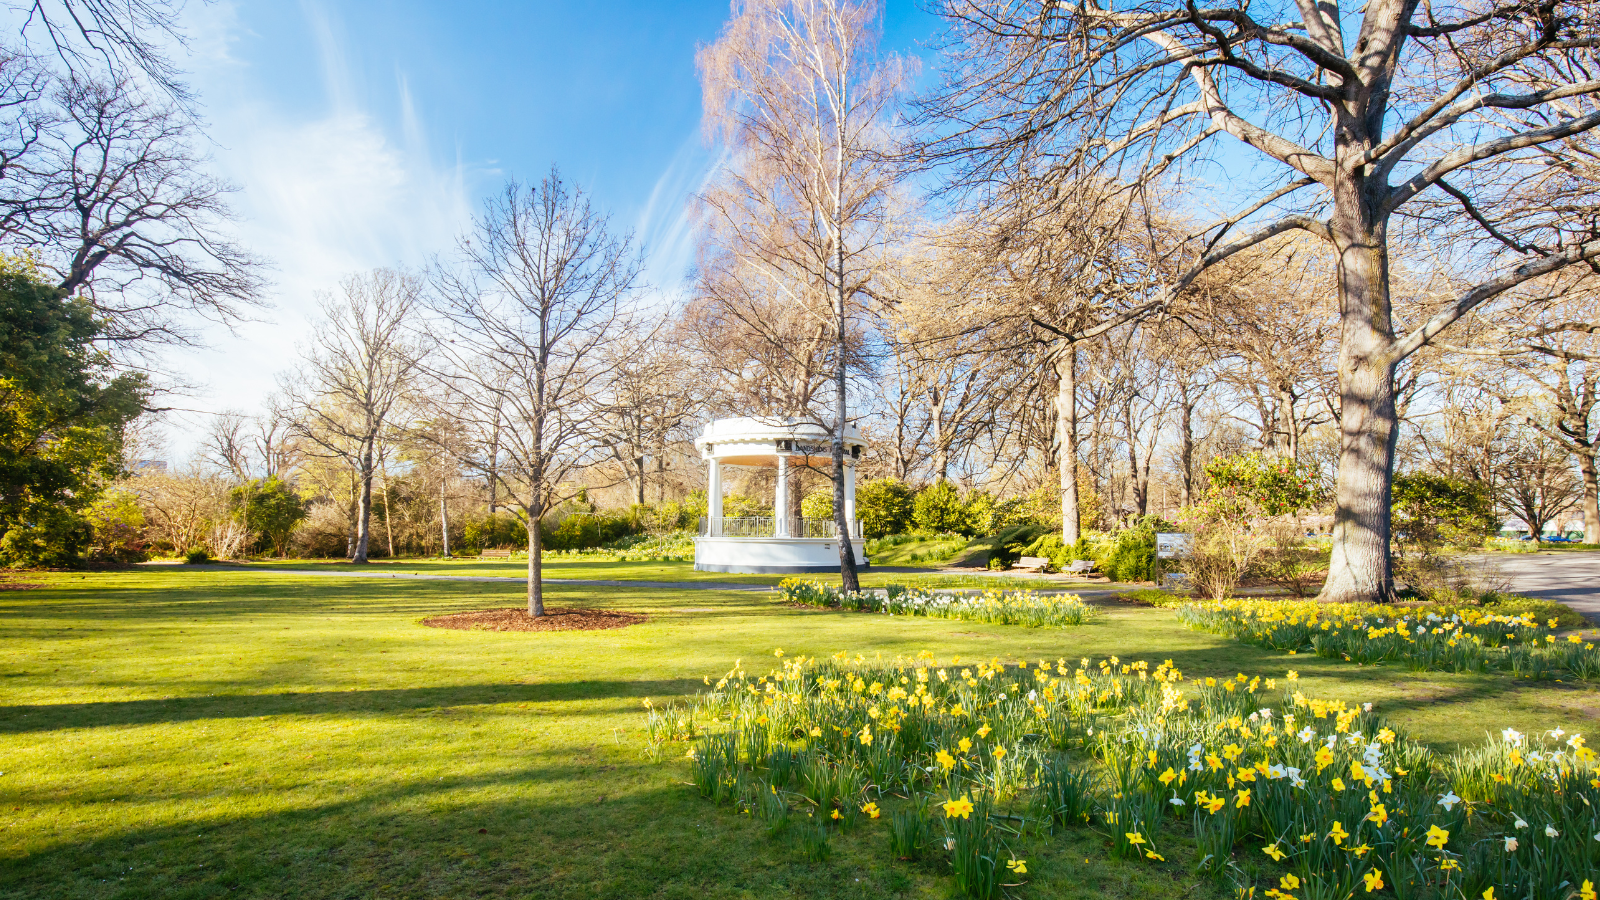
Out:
{"x": 780, "y": 543}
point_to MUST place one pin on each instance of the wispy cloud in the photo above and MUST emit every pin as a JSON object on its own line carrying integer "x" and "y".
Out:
{"x": 666, "y": 227}
{"x": 326, "y": 190}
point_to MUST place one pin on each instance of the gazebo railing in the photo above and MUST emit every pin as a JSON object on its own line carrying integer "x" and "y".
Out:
{"x": 767, "y": 526}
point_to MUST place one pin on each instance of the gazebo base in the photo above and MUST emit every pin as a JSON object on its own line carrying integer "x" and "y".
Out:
{"x": 771, "y": 555}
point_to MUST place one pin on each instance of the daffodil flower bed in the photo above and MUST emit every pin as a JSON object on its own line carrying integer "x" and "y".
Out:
{"x": 998, "y": 607}
{"x": 1294, "y": 797}
{"x": 1446, "y": 639}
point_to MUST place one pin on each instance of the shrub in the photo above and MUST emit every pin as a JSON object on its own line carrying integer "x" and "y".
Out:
{"x": 47, "y": 536}
{"x": 1433, "y": 510}
{"x": 818, "y": 504}
{"x": 885, "y": 506}
{"x": 1286, "y": 561}
{"x": 197, "y": 556}
{"x": 268, "y": 507}
{"x": 119, "y": 528}
{"x": 1219, "y": 557}
{"x": 939, "y": 508}
{"x": 499, "y": 531}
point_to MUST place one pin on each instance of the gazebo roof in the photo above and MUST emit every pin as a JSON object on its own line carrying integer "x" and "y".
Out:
{"x": 754, "y": 441}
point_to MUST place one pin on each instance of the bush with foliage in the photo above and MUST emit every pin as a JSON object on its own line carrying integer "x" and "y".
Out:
{"x": 62, "y": 414}
{"x": 818, "y": 504}
{"x": 269, "y": 507}
{"x": 1437, "y": 510}
{"x": 885, "y": 506}
{"x": 197, "y": 556}
{"x": 939, "y": 508}
{"x": 119, "y": 525}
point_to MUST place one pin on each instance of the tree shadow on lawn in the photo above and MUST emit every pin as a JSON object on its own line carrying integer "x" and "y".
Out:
{"x": 220, "y": 598}
{"x": 615, "y": 828}
{"x": 54, "y": 716}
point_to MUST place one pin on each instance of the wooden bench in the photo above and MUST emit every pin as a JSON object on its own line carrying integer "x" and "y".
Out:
{"x": 495, "y": 554}
{"x": 1032, "y": 563}
{"x": 1081, "y": 567}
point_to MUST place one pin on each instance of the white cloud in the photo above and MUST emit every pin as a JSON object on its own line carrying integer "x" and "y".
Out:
{"x": 325, "y": 191}
{"x": 666, "y": 227}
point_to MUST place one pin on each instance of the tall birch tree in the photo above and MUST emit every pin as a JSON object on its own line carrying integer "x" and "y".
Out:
{"x": 799, "y": 92}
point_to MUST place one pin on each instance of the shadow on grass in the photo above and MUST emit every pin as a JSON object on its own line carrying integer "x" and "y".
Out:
{"x": 55, "y": 716}
{"x": 592, "y": 831}
{"x": 130, "y": 596}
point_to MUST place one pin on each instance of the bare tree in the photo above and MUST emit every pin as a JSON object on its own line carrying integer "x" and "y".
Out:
{"x": 1537, "y": 484}
{"x": 116, "y": 37}
{"x": 108, "y": 189}
{"x": 545, "y": 289}
{"x": 650, "y": 399}
{"x": 1423, "y": 109}
{"x": 796, "y": 87}
{"x": 363, "y": 359}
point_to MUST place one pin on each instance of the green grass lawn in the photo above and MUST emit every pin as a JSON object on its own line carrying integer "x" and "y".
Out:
{"x": 173, "y": 733}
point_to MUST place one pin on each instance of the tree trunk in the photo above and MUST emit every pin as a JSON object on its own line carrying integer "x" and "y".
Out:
{"x": 1066, "y": 363}
{"x": 1591, "y": 497}
{"x": 388, "y": 519}
{"x": 848, "y": 578}
{"x": 444, "y": 522}
{"x": 1186, "y": 452}
{"x": 1360, "y": 569}
{"x": 535, "y": 566}
{"x": 364, "y": 508}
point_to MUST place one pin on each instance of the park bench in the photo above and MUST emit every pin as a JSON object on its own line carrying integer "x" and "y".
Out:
{"x": 1032, "y": 563}
{"x": 495, "y": 554}
{"x": 1081, "y": 567}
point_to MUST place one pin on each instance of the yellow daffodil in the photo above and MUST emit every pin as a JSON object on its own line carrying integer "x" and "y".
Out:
{"x": 1134, "y": 837}
{"x": 963, "y": 745}
{"x": 1338, "y": 784}
{"x": 961, "y": 807}
{"x": 1437, "y": 837}
{"x": 1273, "y": 851}
{"x": 1017, "y": 866}
{"x": 1288, "y": 882}
{"x": 984, "y": 731}
{"x": 1587, "y": 891}
{"x": 1373, "y": 881}
{"x": 1167, "y": 777}
{"x": 1338, "y": 834}
{"x": 945, "y": 759}
{"x": 872, "y": 810}
{"x": 1243, "y": 798}
{"x": 999, "y": 753}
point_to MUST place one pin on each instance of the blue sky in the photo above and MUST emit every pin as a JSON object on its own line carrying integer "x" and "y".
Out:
{"x": 364, "y": 133}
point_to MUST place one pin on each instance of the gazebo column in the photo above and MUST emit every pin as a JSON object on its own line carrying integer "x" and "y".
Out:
{"x": 850, "y": 497}
{"x": 714, "y": 498}
{"x": 780, "y": 503}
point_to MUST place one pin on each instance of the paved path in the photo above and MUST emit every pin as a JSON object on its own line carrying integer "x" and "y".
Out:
{"x": 1571, "y": 577}
{"x": 588, "y": 582}
{"x": 499, "y": 579}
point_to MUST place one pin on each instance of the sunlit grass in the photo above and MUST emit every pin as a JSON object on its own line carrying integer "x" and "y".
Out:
{"x": 179, "y": 733}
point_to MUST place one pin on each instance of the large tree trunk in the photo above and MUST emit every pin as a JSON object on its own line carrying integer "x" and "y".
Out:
{"x": 364, "y": 509}
{"x": 535, "y": 565}
{"x": 1067, "y": 440}
{"x": 1591, "y": 497}
{"x": 1360, "y": 569}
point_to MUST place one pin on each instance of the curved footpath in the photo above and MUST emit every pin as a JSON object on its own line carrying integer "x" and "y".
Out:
{"x": 582, "y": 582}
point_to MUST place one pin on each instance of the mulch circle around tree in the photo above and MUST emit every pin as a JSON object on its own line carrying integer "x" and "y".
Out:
{"x": 18, "y": 586}
{"x": 516, "y": 618}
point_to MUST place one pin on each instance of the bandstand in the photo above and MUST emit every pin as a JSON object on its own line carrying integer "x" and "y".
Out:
{"x": 780, "y": 543}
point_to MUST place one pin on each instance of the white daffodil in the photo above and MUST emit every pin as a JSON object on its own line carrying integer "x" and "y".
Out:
{"x": 1511, "y": 845}
{"x": 1550, "y": 831}
{"x": 1519, "y": 824}
{"x": 1449, "y": 800}
{"x": 1512, "y": 737}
